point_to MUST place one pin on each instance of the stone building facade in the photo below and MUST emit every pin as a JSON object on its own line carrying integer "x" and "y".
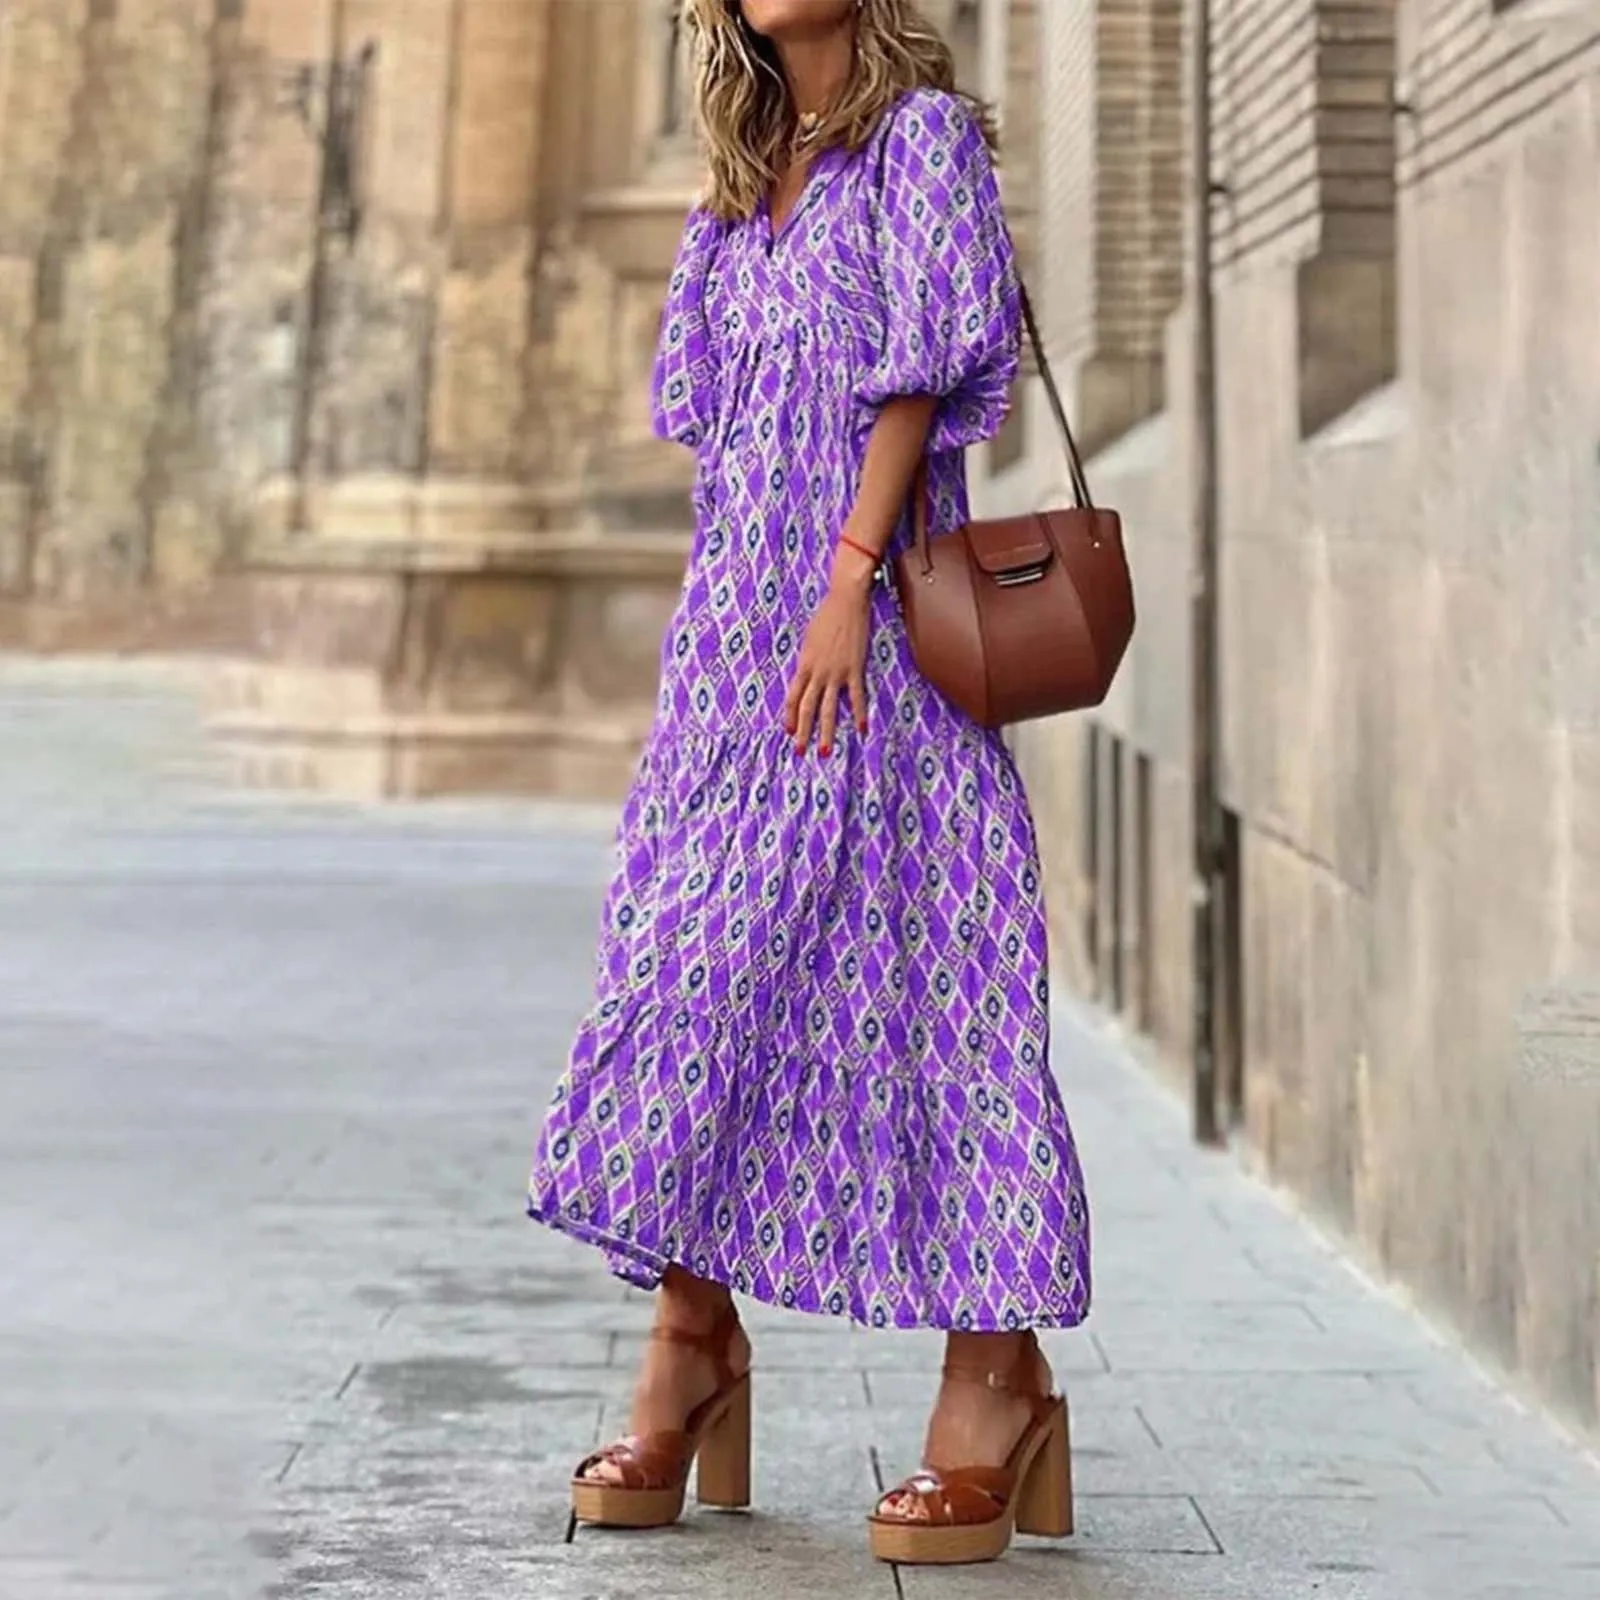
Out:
{"x": 1407, "y": 303}
{"x": 324, "y": 337}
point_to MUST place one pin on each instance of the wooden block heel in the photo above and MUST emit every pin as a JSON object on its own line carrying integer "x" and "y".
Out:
{"x": 722, "y": 1471}
{"x": 1044, "y": 1498}
{"x": 652, "y": 1472}
{"x": 968, "y": 1514}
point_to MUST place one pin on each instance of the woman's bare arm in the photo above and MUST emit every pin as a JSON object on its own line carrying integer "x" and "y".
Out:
{"x": 894, "y": 451}
{"x": 833, "y": 657}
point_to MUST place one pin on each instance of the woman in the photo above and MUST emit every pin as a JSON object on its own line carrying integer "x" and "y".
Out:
{"x": 815, "y": 1072}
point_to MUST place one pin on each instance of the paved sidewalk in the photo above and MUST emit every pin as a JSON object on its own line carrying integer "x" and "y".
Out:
{"x": 274, "y": 1326}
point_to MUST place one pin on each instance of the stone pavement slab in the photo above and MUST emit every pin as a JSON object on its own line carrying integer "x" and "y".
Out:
{"x": 273, "y": 1324}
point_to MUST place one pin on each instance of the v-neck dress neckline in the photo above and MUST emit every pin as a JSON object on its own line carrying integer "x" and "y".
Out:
{"x": 772, "y": 231}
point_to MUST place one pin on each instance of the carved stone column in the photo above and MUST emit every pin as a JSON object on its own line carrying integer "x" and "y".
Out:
{"x": 439, "y": 605}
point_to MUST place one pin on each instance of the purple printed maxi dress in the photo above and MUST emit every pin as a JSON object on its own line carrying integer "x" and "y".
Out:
{"x": 816, "y": 1066}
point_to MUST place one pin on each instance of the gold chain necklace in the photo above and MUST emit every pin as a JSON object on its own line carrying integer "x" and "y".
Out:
{"x": 806, "y": 127}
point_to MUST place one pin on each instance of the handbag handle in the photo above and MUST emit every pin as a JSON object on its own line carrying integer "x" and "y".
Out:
{"x": 1080, "y": 482}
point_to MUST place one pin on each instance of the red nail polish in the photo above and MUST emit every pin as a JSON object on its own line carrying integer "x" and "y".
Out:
{"x": 827, "y": 749}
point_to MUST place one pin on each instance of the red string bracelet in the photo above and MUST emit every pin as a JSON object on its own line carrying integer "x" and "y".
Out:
{"x": 855, "y": 544}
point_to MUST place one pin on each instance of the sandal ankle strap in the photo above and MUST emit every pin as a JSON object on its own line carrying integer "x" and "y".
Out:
{"x": 1021, "y": 1378}
{"x": 715, "y": 1342}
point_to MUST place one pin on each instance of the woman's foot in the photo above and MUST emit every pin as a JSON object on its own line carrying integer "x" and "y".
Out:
{"x": 998, "y": 1460}
{"x": 978, "y": 1424}
{"x": 674, "y": 1377}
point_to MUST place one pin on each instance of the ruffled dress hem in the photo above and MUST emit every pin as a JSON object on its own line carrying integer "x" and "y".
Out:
{"x": 644, "y": 1269}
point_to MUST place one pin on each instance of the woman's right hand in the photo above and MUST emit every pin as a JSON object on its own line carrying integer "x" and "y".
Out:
{"x": 833, "y": 658}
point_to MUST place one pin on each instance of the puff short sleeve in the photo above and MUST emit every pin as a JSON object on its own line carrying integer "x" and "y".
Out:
{"x": 947, "y": 271}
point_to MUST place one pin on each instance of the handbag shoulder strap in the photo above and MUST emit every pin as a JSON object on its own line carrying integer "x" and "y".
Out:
{"x": 1080, "y": 483}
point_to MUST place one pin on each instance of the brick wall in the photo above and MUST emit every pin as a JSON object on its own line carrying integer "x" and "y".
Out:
{"x": 1304, "y": 130}
{"x": 1111, "y": 146}
{"x": 1475, "y": 70}
{"x": 1304, "y": 145}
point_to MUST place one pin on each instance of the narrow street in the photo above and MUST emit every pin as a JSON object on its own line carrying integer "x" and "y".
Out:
{"x": 274, "y": 1325}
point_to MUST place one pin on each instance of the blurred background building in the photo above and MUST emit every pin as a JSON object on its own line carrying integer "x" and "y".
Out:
{"x": 325, "y": 329}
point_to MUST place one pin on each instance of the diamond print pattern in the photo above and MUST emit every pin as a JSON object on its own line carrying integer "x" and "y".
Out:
{"x": 816, "y": 1066}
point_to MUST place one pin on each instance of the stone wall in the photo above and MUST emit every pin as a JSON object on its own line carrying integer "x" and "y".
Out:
{"x": 1112, "y": 149}
{"x": 333, "y": 289}
{"x": 1409, "y": 348}
{"x": 107, "y": 114}
{"x": 197, "y": 303}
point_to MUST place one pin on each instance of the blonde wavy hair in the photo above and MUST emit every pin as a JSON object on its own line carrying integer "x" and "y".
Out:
{"x": 747, "y": 121}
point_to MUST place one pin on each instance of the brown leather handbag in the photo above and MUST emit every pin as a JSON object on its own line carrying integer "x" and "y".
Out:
{"x": 1021, "y": 617}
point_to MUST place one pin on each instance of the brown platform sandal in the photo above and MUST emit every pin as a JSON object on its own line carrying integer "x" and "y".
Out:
{"x": 968, "y": 1513}
{"x": 654, "y": 1468}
